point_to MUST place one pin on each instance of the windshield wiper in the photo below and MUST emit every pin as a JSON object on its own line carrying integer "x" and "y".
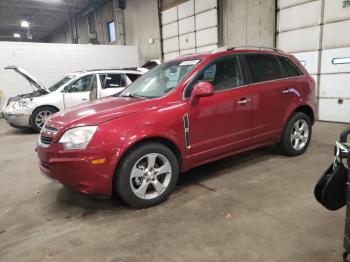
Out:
{"x": 133, "y": 96}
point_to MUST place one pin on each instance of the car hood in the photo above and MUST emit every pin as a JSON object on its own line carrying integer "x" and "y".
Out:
{"x": 99, "y": 111}
{"x": 33, "y": 82}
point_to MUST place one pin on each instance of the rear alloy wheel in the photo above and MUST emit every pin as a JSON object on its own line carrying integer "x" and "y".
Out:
{"x": 300, "y": 134}
{"x": 297, "y": 135}
{"x": 147, "y": 175}
{"x": 40, "y": 116}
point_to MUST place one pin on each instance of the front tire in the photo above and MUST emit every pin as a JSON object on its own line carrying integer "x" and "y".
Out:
{"x": 39, "y": 117}
{"x": 147, "y": 175}
{"x": 297, "y": 135}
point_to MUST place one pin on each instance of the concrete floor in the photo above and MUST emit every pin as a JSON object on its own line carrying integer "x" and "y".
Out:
{"x": 258, "y": 206}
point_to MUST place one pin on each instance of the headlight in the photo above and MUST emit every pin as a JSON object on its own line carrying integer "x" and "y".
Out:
{"x": 78, "y": 138}
{"x": 21, "y": 103}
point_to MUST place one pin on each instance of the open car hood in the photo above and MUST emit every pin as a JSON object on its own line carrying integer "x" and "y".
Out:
{"x": 33, "y": 82}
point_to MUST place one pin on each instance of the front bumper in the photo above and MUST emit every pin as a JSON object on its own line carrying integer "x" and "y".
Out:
{"x": 18, "y": 120}
{"x": 17, "y": 117}
{"x": 74, "y": 169}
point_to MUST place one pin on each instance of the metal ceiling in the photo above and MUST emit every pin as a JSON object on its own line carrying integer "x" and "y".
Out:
{"x": 44, "y": 16}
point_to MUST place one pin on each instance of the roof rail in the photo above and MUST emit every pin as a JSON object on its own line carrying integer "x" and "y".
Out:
{"x": 184, "y": 55}
{"x": 227, "y": 48}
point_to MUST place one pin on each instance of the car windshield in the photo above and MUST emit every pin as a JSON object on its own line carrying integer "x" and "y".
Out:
{"x": 160, "y": 80}
{"x": 61, "y": 82}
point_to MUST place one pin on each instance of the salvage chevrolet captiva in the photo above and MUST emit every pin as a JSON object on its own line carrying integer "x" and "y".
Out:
{"x": 184, "y": 113}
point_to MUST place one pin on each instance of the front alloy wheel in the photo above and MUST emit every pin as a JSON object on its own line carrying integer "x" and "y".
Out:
{"x": 150, "y": 176}
{"x": 146, "y": 175}
{"x": 40, "y": 116}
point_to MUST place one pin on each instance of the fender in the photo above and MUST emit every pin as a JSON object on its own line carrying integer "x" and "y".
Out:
{"x": 149, "y": 131}
{"x": 293, "y": 108}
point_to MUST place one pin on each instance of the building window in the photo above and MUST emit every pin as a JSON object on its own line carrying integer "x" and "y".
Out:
{"x": 341, "y": 61}
{"x": 111, "y": 31}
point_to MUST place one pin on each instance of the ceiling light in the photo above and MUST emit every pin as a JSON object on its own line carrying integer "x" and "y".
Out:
{"x": 25, "y": 24}
{"x": 16, "y": 35}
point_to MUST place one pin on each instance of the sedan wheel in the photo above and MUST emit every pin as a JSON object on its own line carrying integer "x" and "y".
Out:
{"x": 42, "y": 117}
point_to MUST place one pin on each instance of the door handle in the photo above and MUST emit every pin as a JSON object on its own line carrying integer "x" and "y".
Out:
{"x": 84, "y": 99}
{"x": 243, "y": 101}
{"x": 291, "y": 90}
{"x": 287, "y": 91}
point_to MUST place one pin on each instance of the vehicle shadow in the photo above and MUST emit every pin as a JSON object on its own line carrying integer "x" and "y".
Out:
{"x": 198, "y": 175}
{"x": 18, "y": 132}
{"x": 69, "y": 197}
{"x": 75, "y": 204}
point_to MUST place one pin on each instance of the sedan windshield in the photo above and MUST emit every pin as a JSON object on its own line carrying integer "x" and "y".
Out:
{"x": 61, "y": 82}
{"x": 160, "y": 80}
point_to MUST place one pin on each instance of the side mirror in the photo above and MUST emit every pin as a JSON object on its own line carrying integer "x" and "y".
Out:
{"x": 201, "y": 89}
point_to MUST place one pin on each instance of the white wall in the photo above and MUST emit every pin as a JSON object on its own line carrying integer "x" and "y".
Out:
{"x": 141, "y": 23}
{"x": 50, "y": 62}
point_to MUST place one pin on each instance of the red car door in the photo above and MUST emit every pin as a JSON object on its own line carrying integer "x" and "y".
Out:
{"x": 221, "y": 124}
{"x": 271, "y": 98}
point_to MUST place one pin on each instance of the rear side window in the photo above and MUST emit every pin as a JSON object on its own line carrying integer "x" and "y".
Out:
{"x": 289, "y": 67}
{"x": 263, "y": 67}
{"x": 114, "y": 81}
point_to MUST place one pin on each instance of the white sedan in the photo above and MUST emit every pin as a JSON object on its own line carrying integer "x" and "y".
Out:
{"x": 32, "y": 110}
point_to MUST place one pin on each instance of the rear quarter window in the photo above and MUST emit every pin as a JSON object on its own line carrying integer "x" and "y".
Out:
{"x": 290, "y": 69}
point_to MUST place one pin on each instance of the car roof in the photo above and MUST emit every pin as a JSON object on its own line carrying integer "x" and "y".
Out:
{"x": 96, "y": 71}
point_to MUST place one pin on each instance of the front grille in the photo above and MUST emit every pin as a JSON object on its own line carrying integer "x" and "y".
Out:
{"x": 44, "y": 164}
{"x": 50, "y": 128}
{"x": 46, "y": 140}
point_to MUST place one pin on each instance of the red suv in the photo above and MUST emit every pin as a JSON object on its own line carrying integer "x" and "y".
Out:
{"x": 184, "y": 113}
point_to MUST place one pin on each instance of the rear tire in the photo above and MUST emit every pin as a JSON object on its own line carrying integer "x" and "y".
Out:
{"x": 39, "y": 117}
{"x": 297, "y": 135}
{"x": 147, "y": 175}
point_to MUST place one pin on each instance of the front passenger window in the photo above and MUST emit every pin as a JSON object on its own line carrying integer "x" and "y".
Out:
{"x": 81, "y": 85}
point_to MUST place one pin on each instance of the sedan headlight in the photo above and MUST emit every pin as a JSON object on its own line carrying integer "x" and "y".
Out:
{"x": 78, "y": 138}
{"x": 22, "y": 103}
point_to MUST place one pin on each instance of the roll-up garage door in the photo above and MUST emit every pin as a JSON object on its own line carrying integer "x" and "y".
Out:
{"x": 189, "y": 28}
{"x": 334, "y": 101}
{"x": 317, "y": 33}
{"x": 298, "y": 28}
